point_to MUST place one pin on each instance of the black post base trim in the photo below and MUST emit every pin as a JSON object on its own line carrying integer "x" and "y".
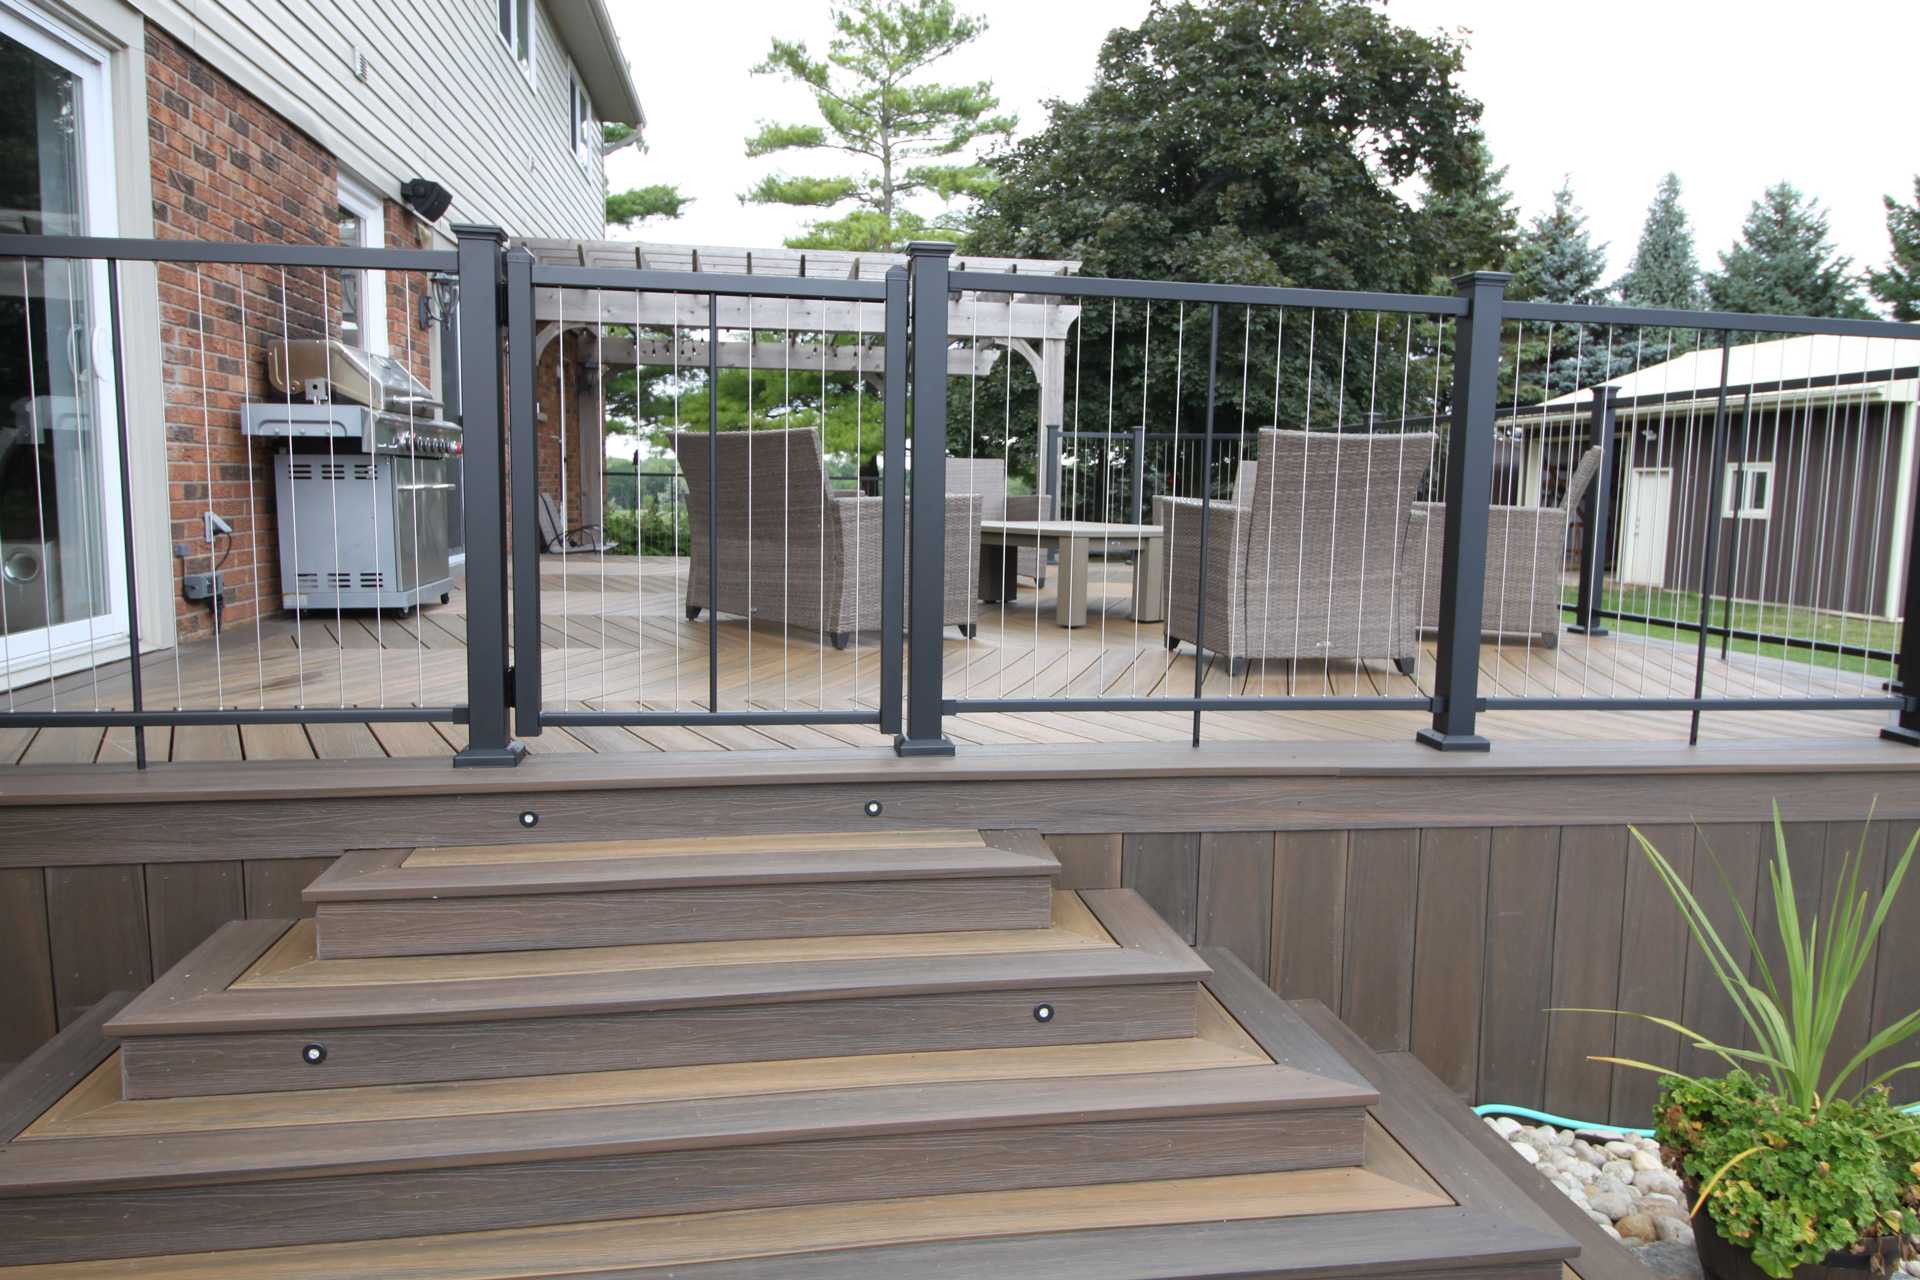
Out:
{"x": 905, "y": 746}
{"x": 1579, "y": 630}
{"x": 1452, "y": 741}
{"x": 1900, "y": 733}
{"x": 490, "y": 757}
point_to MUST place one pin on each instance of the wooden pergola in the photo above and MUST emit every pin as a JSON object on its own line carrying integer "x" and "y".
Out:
{"x": 1035, "y": 326}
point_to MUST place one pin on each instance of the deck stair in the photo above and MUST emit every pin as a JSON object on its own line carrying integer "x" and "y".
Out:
{"x": 866, "y": 1054}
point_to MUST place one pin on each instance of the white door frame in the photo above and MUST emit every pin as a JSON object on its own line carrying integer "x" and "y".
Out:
{"x": 35, "y": 656}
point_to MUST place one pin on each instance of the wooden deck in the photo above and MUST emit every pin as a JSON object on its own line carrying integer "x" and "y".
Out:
{"x": 617, "y": 638}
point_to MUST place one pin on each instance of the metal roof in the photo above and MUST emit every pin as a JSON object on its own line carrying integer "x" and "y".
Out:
{"x": 1782, "y": 360}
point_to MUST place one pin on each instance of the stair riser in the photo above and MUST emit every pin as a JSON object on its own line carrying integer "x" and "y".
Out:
{"x": 452, "y": 925}
{"x": 371, "y": 1206}
{"x": 265, "y": 1062}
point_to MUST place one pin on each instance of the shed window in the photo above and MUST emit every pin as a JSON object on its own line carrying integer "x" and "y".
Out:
{"x": 1748, "y": 491}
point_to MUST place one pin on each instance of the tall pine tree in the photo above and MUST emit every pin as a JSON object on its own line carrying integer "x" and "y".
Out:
{"x": 1899, "y": 285}
{"x": 1784, "y": 263}
{"x": 1665, "y": 272}
{"x": 1557, "y": 261}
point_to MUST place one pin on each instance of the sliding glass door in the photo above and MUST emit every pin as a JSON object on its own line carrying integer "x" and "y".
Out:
{"x": 61, "y": 593}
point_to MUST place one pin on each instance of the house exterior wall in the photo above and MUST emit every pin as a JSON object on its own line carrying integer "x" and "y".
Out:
{"x": 226, "y": 167}
{"x": 443, "y": 98}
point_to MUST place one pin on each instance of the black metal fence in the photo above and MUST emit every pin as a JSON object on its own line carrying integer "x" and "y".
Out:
{"x": 1399, "y": 483}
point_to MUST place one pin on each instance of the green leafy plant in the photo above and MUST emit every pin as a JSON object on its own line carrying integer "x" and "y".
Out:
{"x": 1787, "y": 1167}
{"x": 653, "y": 530}
{"x": 1792, "y": 1184}
{"x": 1794, "y": 1028}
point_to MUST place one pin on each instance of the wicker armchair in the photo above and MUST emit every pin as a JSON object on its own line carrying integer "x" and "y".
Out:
{"x": 791, "y": 549}
{"x": 1310, "y": 559}
{"x": 1526, "y": 554}
{"x": 988, "y": 478}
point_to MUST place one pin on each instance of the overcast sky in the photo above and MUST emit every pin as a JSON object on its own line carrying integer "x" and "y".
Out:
{"x": 1730, "y": 95}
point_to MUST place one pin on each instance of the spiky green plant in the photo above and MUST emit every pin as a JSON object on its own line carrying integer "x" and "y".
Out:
{"x": 1794, "y": 1028}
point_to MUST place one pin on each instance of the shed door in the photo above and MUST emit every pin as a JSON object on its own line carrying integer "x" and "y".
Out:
{"x": 1643, "y": 551}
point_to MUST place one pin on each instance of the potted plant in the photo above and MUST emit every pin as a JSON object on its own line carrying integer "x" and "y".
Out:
{"x": 1790, "y": 1178}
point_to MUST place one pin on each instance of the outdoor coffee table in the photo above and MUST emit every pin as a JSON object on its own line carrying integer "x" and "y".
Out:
{"x": 1074, "y": 540}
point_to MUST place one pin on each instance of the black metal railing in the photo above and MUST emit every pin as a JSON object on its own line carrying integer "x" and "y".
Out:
{"x": 1764, "y": 511}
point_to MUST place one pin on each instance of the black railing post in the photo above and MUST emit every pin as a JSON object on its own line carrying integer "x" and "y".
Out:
{"x": 926, "y": 601}
{"x": 524, "y": 484}
{"x": 1596, "y": 512}
{"x": 1469, "y": 491}
{"x": 893, "y": 503}
{"x": 1907, "y": 672}
{"x": 483, "y": 450}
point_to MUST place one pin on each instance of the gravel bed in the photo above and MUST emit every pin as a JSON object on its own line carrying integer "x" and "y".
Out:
{"x": 1617, "y": 1179}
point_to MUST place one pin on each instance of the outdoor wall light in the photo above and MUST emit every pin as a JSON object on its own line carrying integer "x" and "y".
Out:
{"x": 426, "y": 197}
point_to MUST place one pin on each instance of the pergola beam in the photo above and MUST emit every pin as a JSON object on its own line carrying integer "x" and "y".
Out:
{"x": 810, "y": 357}
{"x": 968, "y": 316}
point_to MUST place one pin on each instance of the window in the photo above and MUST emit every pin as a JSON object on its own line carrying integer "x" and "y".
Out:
{"x": 1748, "y": 491}
{"x": 359, "y": 222}
{"x": 516, "y": 31}
{"x": 580, "y": 127}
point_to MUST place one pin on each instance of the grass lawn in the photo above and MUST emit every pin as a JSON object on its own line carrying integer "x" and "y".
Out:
{"x": 1818, "y": 626}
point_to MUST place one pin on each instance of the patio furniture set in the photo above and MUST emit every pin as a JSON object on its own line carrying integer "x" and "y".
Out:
{"x": 1322, "y": 552}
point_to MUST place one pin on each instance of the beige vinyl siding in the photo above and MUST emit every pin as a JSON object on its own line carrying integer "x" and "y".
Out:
{"x": 444, "y": 99}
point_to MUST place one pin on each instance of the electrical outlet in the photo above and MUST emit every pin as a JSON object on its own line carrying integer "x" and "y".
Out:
{"x": 200, "y": 587}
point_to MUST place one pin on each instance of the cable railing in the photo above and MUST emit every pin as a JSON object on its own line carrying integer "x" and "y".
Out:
{"x": 250, "y": 514}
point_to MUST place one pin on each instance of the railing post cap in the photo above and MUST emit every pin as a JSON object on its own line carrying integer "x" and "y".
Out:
{"x": 1482, "y": 279}
{"x": 478, "y": 231}
{"x": 927, "y": 248}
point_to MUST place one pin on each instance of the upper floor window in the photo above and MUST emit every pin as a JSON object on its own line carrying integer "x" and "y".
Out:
{"x": 516, "y": 30}
{"x": 580, "y": 127}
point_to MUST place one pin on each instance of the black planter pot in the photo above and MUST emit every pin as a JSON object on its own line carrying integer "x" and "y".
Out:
{"x": 1721, "y": 1260}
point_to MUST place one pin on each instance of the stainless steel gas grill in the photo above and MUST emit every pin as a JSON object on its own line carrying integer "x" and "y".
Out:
{"x": 362, "y": 483}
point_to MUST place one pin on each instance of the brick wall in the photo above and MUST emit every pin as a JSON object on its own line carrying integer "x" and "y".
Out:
{"x": 569, "y": 400}
{"x": 227, "y": 168}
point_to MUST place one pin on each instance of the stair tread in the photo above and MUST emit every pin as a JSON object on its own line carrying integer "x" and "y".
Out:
{"x": 103, "y": 1164}
{"x": 277, "y": 986}
{"x": 94, "y": 1108}
{"x": 689, "y": 1239}
{"x": 364, "y": 875}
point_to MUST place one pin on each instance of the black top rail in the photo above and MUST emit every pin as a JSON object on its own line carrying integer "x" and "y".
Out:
{"x": 117, "y": 249}
{"x": 725, "y": 284}
{"x": 1714, "y": 321}
{"x": 1228, "y": 294}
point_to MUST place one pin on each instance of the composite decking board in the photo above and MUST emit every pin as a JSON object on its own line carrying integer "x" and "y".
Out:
{"x": 826, "y": 842}
{"x": 194, "y": 1064}
{"x": 701, "y": 1123}
{"x": 1466, "y": 1157}
{"x": 681, "y": 1240}
{"x": 56, "y": 1067}
{"x": 439, "y": 926}
{"x": 1453, "y": 1244}
{"x": 94, "y": 1108}
{"x": 1273, "y": 1023}
{"x": 566, "y": 984}
{"x": 487, "y": 1196}
{"x": 370, "y": 874}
